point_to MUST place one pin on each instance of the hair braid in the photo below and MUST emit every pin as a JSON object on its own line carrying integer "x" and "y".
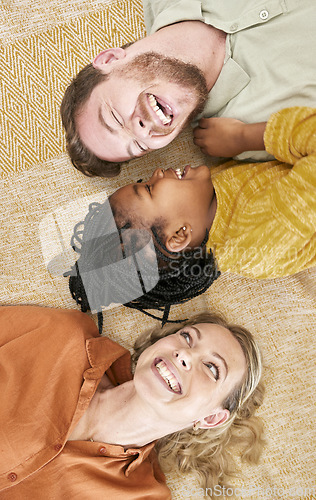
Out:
{"x": 186, "y": 276}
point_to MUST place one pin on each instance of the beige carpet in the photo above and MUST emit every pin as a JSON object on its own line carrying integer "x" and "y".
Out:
{"x": 43, "y": 44}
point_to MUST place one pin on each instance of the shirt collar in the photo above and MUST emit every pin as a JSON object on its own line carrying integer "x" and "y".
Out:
{"x": 140, "y": 455}
{"x": 133, "y": 457}
{"x": 103, "y": 354}
{"x": 230, "y": 82}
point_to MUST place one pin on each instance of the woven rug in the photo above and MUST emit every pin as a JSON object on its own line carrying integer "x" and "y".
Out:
{"x": 44, "y": 43}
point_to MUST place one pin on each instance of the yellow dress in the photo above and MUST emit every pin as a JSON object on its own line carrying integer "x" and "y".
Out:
{"x": 265, "y": 223}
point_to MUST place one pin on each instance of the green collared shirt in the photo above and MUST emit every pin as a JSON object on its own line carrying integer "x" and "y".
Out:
{"x": 270, "y": 58}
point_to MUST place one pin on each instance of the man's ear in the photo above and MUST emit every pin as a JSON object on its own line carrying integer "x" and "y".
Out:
{"x": 104, "y": 60}
{"x": 218, "y": 417}
{"x": 180, "y": 239}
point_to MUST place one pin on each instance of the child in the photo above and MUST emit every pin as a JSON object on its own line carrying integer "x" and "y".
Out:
{"x": 259, "y": 219}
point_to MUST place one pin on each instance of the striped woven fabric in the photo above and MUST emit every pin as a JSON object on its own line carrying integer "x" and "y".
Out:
{"x": 43, "y": 44}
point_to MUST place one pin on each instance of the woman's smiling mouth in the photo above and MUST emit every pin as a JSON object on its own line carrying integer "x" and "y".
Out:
{"x": 167, "y": 376}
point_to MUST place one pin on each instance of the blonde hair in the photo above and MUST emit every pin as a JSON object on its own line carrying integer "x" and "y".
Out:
{"x": 207, "y": 453}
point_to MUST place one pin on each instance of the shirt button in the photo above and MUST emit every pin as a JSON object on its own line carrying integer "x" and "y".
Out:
{"x": 58, "y": 447}
{"x": 234, "y": 27}
{"x": 102, "y": 450}
{"x": 12, "y": 476}
{"x": 264, "y": 14}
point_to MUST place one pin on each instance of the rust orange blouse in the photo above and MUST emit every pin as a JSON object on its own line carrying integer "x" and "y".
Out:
{"x": 51, "y": 362}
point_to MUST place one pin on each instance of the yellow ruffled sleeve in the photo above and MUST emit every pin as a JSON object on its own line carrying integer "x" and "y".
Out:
{"x": 265, "y": 223}
{"x": 290, "y": 136}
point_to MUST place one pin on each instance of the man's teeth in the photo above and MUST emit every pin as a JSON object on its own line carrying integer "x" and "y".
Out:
{"x": 168, "y": 376}
{"x": 164, "y": 118}
{"x": 179, "y": 173}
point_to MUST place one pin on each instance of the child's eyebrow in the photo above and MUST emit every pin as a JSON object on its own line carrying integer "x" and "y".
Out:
{"x": 136, "y": 190}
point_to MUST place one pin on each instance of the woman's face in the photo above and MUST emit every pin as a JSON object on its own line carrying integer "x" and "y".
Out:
{"x": 185, "y": 201}
{"x": 186, "y": 376}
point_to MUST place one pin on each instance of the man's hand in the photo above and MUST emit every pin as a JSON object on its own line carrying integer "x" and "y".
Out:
{"x": 227, "y": 137}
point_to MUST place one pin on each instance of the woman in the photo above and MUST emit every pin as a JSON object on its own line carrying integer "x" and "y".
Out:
{"x": 75, "y": 424}
{"x": 256, "y": 220}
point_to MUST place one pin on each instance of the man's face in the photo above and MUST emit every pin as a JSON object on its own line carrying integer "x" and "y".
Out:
{"x": 140, "y": 107}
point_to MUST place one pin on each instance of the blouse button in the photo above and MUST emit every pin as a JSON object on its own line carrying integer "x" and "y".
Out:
{"x": 12, "y": 476}
{"x": 102, "y": 450}
{"x": 264, "y": 14}
{"x": 57, "y": 447}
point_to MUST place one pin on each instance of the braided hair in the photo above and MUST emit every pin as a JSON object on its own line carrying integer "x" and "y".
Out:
{"x": 181, "y": 276}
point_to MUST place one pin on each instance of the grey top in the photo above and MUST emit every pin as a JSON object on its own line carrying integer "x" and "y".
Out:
{"x": 270, "y": 60}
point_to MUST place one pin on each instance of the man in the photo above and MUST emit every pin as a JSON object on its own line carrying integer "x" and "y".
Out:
{"x": 242, "y": 60}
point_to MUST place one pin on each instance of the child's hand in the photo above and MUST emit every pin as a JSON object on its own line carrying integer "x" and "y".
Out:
{"x": 228, "y": 137}
{"x": 219, "y": 136}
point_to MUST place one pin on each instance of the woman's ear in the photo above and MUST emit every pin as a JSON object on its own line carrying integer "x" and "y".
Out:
{"x": 103, "y": 61}
{"x": 218, "y": 417}
{"x": 180, "y": 239}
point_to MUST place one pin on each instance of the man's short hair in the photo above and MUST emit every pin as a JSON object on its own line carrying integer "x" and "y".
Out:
{"x": 77, "y": 93}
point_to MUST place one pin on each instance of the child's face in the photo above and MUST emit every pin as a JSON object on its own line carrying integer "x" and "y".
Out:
{"x": 180, "y": 202}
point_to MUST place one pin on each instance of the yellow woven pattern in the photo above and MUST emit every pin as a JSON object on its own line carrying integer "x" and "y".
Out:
{"x": 37, "y": 66}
